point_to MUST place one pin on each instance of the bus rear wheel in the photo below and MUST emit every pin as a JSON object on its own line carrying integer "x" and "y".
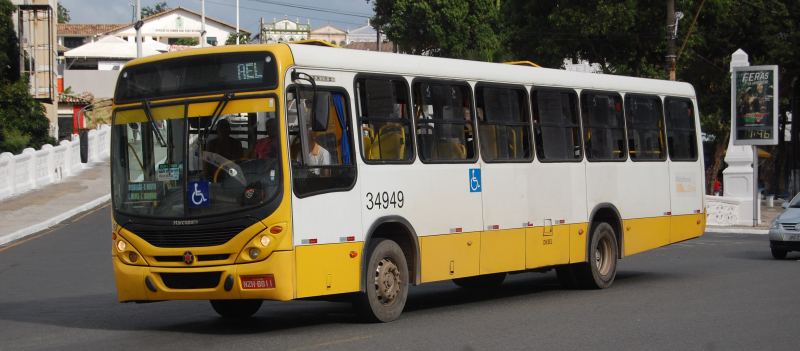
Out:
{"x": 600, "y": 271}
{"x": 236, "y": 309}
{"x": 386, "y": 283}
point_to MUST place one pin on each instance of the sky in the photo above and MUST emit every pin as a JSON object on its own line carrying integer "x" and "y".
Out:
{"x": 349, "y": 14}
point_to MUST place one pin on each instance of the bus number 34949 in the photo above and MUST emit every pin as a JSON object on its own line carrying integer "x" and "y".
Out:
{"x": 384, "y": 200}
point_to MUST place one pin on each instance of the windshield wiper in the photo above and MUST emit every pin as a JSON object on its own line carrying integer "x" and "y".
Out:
{"x": 217, "y": 112}
{"x": 148, "y": 113}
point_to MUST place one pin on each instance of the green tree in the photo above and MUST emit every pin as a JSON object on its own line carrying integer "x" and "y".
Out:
{"x": 447, "y": 28}
{"x": 619, "y": 35}
{"x": 63, "y": 14}
{"x": 9, "y": 47}
{"x": 186, "y": 41}
{"x": 22, "y": 120}
{"x": 244, "y": 38}
{"x": 21, "y": 116}
{"x": 157, "y": 8}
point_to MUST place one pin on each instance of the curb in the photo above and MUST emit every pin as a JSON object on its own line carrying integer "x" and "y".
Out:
{"x": 19, "y": 234}
{"x": 722, "y": 230}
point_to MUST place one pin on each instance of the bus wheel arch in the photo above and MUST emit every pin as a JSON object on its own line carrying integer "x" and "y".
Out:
{"x": 606, "y": 213}
{"x": 603, "y": 249}
{"x": 399, "y": 230}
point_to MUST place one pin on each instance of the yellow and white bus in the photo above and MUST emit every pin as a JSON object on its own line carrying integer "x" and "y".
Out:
{"x": 290, "y": 171}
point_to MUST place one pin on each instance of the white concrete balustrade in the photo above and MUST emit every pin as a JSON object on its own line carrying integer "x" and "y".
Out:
{"x": 34, "y": 169}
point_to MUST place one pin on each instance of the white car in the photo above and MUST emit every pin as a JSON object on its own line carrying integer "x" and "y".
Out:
{"x": 784, "y": 233}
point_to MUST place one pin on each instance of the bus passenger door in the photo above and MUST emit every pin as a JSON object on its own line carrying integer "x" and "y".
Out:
{"x": 326, "y": 220}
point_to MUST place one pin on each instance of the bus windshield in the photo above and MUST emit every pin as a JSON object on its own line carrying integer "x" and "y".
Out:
{"x": 193, "y": 160}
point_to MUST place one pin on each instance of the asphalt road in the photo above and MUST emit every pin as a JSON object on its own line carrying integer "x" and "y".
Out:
{"x": 719, "y": 292}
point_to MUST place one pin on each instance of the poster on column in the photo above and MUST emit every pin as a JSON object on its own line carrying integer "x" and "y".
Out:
{"x": 754, "y": 103}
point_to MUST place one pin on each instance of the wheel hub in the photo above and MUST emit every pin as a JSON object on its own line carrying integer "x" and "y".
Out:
{"x": 602, "y": 256}
{"x": 387, "y": 281}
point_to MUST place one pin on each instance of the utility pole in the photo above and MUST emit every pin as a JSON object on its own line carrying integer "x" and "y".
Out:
{"x": 138, "y": 26}
{"x": 671, "y": 31}
{"x": 237, "y": 22}
{"x": 261, "y": 31}
{"x": 202, "y": 23}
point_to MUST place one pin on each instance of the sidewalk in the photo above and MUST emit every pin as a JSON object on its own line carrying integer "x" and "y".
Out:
{"x": 42, "y": 208}
{"x": 768, "y": 214}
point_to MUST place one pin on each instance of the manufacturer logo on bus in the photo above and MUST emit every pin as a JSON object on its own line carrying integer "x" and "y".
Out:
{"x": 188, "y": 257}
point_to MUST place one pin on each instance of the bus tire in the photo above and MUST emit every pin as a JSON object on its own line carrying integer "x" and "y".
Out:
{"x": 481, "y": 281}
{"x": 386, "y": 285}
{"x": 778, "y": 254}
{"x": 236, "y": 309}
{"x": 601, "y": 269}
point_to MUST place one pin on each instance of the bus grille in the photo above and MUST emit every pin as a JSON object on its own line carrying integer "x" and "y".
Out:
{"x": 205, "y": 280}
{"x": 188, "y": 238}
{"x": 200, "y": 258}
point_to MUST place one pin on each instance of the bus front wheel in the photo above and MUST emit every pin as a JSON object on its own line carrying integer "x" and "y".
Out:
{"x": 386, "y": 285}
{"x": 601, "y": 269}
{"x": 236, "y": 309}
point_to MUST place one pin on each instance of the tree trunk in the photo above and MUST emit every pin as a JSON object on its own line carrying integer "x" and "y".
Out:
{"x": 716, "y": 164}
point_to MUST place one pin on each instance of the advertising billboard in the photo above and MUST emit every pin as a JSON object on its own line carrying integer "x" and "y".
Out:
{"x": 754, "y": 103}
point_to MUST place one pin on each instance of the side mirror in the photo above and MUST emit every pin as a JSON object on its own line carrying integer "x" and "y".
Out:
{"x": 785, "y": 204}
{"x": 321, "y": 110}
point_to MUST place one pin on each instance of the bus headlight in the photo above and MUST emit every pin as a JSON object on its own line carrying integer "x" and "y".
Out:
{"x": 121, "y": 246}
{"x": 265, "y": 240}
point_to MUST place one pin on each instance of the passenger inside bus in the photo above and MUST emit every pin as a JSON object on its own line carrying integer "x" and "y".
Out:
{"x": 268, "y": 146}
{"x": 225, "y": 145}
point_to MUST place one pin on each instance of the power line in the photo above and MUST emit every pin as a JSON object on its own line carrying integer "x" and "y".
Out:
{"x": 314, "y": 8}
{"x": 288, "y": 14}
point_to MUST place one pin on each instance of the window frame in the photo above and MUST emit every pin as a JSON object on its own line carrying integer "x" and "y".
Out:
{"x": 663, "y": 130}
{"x": 667, "y": 128}
{"x": 456, "y": 82}
{"x": 624, "y": 124}
{"x": 579, "y": 113}
{"x": 527, "y": 114}
{"x": 349, "y": 123}
{"x": 410, "y": 111}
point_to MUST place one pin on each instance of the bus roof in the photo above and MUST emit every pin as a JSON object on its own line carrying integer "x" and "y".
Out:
{"x": 436, "y": 67}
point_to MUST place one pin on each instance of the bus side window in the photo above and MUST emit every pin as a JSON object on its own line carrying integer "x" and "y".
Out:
{"x": 443, "y": 111}
{"x": 681, "y": 134}
{"x": 603, "y": 126}
{"x": 645, "y": 124}
{"x": 504, "y": 125}
{"x": 384, "y": 119}
{"x": 321, "y": 159}
{"x": 555, "y": 121}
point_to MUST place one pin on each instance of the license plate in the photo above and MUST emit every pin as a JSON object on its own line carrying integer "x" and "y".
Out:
{"x": 266, "y": 281}
{"x": 794, "y": 237}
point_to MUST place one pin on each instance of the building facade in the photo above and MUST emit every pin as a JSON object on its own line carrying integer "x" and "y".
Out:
{"x": 175, "y": 26}
{"x": 35, "y": 24}
{"x": 329, "y": 34}
{"x": 283, "y": 31}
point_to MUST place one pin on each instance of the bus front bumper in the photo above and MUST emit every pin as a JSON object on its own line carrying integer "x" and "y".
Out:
{"x": 226, "y": 282}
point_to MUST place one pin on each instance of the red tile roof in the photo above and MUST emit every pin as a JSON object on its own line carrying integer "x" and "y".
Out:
{"x": 83, "y": 30}
{"x": 69, "y": 99}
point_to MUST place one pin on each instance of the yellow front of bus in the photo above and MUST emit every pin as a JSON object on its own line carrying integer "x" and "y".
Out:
{"x": 200, "y": 181}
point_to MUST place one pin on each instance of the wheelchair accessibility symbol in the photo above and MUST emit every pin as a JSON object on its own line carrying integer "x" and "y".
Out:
{"x": 198, "y": 194}
{"x": 474, "y": 180}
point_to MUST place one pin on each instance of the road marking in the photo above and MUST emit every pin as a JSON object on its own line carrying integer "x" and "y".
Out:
{"x": 331, "y": 343}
